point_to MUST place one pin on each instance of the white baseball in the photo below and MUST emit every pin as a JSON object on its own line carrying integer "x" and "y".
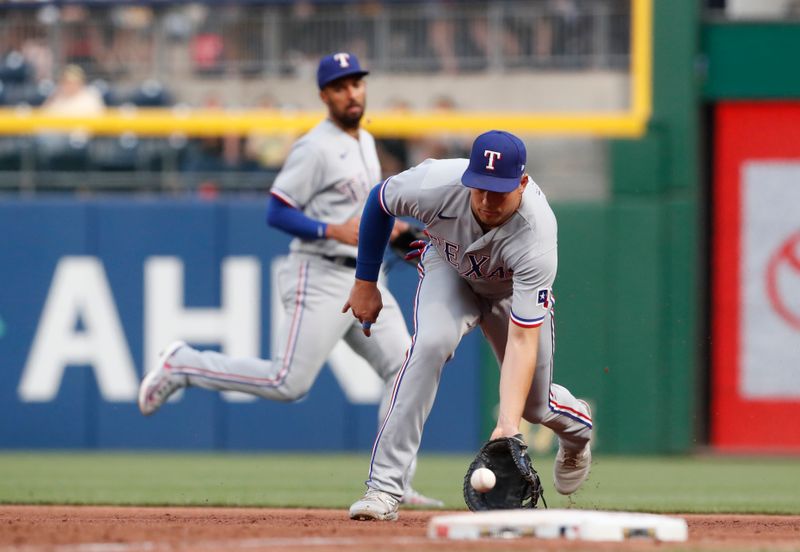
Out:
{"x": 482, "y": 480}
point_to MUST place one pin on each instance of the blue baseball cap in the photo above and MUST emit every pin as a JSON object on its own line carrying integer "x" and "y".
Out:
{"x": 336, "y": 66}
{"x": 497, "y": 162}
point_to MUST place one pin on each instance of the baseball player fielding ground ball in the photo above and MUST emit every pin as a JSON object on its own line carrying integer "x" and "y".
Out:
{"x": 491, "y": 262}
{"x": 318, "y": 198}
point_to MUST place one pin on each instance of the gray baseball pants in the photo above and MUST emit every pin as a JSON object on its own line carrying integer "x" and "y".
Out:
{"x": 446, "y": 309}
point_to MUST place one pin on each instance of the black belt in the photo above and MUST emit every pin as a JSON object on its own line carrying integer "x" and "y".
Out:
{"x": 342, "y": 260}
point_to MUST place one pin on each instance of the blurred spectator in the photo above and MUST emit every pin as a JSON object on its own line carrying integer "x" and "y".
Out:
{"x": 82, "y": 39}
{"x": 442, "y": 33}
{"x": 72, "y": 96}
{"x": 560, "y": 31}
{"x": 206, "y": 50}
{"x": 242, "y": 33}
{"x": 556, "y": 33}
{"x": 131, "y": 40}
{"x": 359, "y": 29}
{"x": 207, "y": 46}
{"x": 265, "y": 151}
{"x": 213, "y": 154}
{"x": 441, "y": 146}
{"x": 479, "y": 30}
{"x": 39, "y": 55}
{"x": 305, "y": 29}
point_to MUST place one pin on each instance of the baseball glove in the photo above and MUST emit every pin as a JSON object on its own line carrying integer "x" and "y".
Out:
{"x": 517, "y": 485}
{"x": 408, "y": 244}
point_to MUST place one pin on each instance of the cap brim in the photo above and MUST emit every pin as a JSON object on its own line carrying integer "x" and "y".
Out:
{"x": 490, "y": 183}
{"x": 354, "y": 73}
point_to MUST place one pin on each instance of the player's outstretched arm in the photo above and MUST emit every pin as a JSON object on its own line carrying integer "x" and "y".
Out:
{"x": 516, "y": 376}
{"x": 293, "y": 221}
{"x": 373, "y": 235}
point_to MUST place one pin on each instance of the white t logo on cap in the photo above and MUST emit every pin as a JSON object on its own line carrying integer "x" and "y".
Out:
{"x": 492, "y": 155}
{"x": 343, "y": 59}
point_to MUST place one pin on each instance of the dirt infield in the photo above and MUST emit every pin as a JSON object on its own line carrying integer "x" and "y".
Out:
{"x": 124, "y": 529}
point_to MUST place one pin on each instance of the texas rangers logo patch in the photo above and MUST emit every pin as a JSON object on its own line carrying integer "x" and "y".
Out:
{"x": 543, "y": 297}
{"x": 343, "y": 58}
{"x": 492, "y": 155}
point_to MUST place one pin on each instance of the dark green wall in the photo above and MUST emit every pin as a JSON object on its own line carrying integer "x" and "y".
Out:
{"x": 656, "y": 243}
{"x": 751, "y": 60}
{"x": 626, "y": 295}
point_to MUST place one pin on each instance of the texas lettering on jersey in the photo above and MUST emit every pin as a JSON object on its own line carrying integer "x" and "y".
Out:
{"x": 475, "y": 266}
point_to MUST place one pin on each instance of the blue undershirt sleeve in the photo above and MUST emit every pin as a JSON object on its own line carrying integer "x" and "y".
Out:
{"x": 373, "y": 236}
{"x": 293, "y": 221}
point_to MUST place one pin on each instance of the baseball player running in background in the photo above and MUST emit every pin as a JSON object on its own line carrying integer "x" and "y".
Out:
{"x": 318, "y": 198}
{"x": 491, "y": 262}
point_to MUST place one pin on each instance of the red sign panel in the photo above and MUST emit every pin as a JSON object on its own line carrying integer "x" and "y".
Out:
{"x": 755, "y": 395}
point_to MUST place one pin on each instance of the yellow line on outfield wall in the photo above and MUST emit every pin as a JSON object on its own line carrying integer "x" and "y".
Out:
{"x": 631, "y": 123}
{"x": 612, "y": 124}
{"x": 204, "y": 123}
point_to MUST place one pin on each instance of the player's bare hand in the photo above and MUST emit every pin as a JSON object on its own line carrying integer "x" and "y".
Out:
{"x": 365, "y": 302}
{"x": 504, "y": 431}
{"x": 346, "y": 232}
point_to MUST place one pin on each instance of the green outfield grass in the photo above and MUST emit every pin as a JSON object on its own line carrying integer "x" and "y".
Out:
{"x": 662, "y": 484}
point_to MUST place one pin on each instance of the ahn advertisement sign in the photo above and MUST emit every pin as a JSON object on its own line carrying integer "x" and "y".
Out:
{"x": 90, "y": 291}
{"x": 756, "y": 278}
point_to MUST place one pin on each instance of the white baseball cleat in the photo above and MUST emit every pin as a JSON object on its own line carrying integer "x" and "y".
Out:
{"x": 571, "y": 469}
{"x": 375, "y": 505}
{"x": 416, "y": 499}
{"x": 160, "y": 382}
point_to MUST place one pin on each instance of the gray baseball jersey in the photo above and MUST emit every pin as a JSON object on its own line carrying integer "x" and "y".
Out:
{"x": 518, "y": 257}
{"x": 328, "y": 175}
{"x": 469, "y": 278}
